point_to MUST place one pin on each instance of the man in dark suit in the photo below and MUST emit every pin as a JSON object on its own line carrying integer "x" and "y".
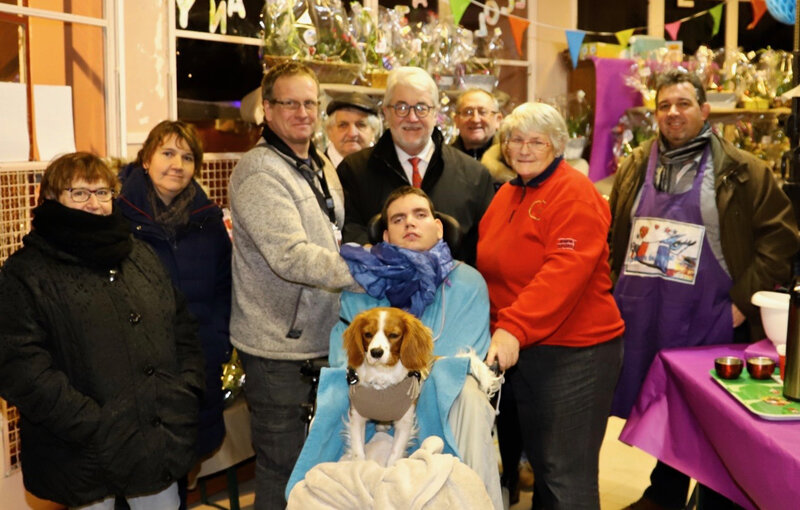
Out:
{"x": 413, "y": 152}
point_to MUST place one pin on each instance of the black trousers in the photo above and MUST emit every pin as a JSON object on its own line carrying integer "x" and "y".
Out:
{"x": 509, "y": 436}
{"x": 669, "y": 488}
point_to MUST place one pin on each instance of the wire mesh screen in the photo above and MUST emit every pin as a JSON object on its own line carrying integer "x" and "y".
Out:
{"x": 215, "y": 175}
{"x": 17, "y": 198}
{"x": 18, "y": 192}
{"x": 9, "y": 425}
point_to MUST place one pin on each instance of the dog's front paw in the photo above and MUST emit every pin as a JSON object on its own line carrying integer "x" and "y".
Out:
{"x": 354, "y": 455}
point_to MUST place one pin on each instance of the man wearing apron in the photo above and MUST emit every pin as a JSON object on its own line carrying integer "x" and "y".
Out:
{"x": 698, "y": 227}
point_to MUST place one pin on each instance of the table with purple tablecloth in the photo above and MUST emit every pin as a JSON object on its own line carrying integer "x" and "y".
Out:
{"x": 687, "y": 420}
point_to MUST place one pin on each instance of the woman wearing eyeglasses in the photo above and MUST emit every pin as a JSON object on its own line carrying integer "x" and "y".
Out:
{"x": 98, "y": 352}
{"x": 169, "y": 210}
{"x": 555, "y": 327}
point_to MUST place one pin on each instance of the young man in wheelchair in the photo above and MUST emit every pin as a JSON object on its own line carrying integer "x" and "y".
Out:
{"x": 451, "y": 405}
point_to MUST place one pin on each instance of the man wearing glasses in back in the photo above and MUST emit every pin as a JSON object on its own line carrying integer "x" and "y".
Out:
{"x": 412, "y": 152}
{"x": 287, "y": 209}
{"x": 477, "y": 119}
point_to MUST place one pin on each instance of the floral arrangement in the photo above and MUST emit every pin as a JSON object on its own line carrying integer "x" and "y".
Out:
{"x": 757, "y": 133}
{"x": 756, "y": 79}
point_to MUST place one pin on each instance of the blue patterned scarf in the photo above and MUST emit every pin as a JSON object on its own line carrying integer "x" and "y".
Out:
{"x": 407, "y": 278}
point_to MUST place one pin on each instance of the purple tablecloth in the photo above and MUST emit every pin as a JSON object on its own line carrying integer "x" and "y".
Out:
{"x": 688, "y": 421}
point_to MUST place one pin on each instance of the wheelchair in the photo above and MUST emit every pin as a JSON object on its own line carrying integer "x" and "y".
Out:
{"x": 312, "y": 368}
{"x": 453, "y": 410}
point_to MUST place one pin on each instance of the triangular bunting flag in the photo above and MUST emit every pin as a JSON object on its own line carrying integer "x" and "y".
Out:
{"x": 672, "y": 29}
{"x": 574, "y": 40}
{"x": 759, "y": 8}
{"x": 457, "y": 7}
{"x": 716, "y": 14}
{"x": 518, "y": 27}
{"x": 623, "y": 36}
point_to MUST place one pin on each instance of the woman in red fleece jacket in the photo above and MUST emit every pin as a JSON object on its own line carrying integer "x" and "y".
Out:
{"x": 555, "y": 326}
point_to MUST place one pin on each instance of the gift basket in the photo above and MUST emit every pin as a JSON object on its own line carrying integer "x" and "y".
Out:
{"x": 362, "y": 47}
{"x": 743, "y": 89}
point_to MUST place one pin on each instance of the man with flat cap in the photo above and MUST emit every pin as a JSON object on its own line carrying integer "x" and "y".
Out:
{"x": 352, "y": 124}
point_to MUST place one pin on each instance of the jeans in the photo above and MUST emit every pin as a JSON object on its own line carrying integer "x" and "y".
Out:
{"x": 164, "y": 500}
{"x": 274, "y": 390}
{"x": 563, "y": 399}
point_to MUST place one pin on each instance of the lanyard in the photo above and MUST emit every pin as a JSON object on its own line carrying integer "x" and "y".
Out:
{"x": 324, "y": 198}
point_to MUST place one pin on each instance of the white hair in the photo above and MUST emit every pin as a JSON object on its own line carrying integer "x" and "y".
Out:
{"x": 413, "y": 77}
{"x": 539, "y": 117}
{"x": 373, "y": 121}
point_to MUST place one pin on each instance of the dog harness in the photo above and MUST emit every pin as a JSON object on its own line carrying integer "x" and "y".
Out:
{"x": 385, "y": 405}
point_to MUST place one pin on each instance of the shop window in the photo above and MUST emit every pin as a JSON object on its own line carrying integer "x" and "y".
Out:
{"x": 92, "y": 8}
{"x": 215, "y": 70}
{"x": 219, "y": 54}
{"x": 62, "y": 44}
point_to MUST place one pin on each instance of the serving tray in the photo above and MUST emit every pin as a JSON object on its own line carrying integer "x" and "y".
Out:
{"x": 764, "y": 398}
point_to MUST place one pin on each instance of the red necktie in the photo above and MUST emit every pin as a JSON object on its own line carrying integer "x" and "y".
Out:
{"x": 416, "y": 178}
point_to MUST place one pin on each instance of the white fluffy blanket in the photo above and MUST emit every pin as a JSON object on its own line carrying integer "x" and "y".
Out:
{"x": 428, "y": 479}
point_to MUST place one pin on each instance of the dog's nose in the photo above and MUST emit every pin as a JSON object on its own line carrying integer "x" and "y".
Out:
{"x": 377, "y": 352}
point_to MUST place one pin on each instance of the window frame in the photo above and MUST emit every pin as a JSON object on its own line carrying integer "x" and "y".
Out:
{"x": 113, "y": 62}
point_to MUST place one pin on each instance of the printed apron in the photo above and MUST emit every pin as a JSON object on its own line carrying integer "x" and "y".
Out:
{"x": 672, "y": 291}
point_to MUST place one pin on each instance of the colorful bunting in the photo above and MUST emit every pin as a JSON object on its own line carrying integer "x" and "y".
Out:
{"x": 575, "y": 37}
{"x": 623, "y": 36}
{"x": 457, "y": 7}
{"x": 574, "y": 40}
{"x": 759, "y": 8}
{"x": 518, "y": 27}
{"x": 672, "y": 29}
{"x": 716, "y": 14}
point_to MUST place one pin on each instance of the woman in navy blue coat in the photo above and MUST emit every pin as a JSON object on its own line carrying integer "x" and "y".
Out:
{"x": 169, "y": 210}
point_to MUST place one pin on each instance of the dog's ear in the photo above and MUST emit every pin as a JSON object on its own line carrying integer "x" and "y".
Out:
{"x": 352, "y": 342}
{"x": 416, "y": 351}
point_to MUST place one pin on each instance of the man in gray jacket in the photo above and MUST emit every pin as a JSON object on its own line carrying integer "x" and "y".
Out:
{"x": 287, "y": 208}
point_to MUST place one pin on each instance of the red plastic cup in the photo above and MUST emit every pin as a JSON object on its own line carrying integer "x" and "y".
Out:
{"x": 781, "y": 359}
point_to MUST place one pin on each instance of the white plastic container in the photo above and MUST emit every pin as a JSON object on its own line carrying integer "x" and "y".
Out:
{"x": 774, "y": 314}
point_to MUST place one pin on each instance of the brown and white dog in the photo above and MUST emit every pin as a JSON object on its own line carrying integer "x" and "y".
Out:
{"x": 389, "y": 353}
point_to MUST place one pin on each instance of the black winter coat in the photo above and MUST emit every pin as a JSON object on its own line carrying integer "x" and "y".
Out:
{"x": 106, "y": 371}
{"x": 456, "y": 183}
{"x": 198, "y": 259}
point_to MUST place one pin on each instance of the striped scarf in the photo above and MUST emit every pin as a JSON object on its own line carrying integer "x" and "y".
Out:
{"x": 677, "y": 167}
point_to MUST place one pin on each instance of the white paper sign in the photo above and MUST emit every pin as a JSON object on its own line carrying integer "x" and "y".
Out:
{"x": 15, "y": 144}
{"x": 55, "y": 128}
{"x": 664, "y": 248}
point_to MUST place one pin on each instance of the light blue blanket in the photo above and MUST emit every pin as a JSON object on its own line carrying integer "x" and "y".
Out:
{"x": 459, "y": 320}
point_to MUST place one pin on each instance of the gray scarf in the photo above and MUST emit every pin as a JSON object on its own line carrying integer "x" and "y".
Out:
{"x": 174, "y": 216}
{"x": 677, "y": 167}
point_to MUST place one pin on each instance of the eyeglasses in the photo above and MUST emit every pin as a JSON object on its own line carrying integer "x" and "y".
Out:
{"x": 518, "y": 143}
{"x": 467, "y": 113}
{"x": 403, "y": 109}
{"x": 83, "y": 194}
{"x": 293, "y": 105}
